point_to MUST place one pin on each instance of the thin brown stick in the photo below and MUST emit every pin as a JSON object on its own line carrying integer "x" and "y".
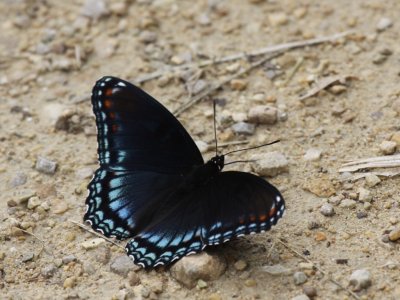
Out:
{"x": 213, "y": 88}
{"x": 354, "y": 295}
{"x": 96, "y": 233}
{"x": 244, "y": 55}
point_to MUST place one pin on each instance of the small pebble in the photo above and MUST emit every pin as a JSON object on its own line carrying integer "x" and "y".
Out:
{"x": 360, "y": 279}
{"x": 263, "y": 114}
{"x": 383, "y": 24}
{"x": 45, "y": 165}
{"x": 299, "y": 278}
{"x": 48, "y": 270}
{"x": 348, "y": 203}
{"x": 388, "y": 147}
{"x": 364, "y": 195}
{"x": 240, "y": 265}
{"x": 60, "y": 207}
{"x": 84, "y": 173}
{"x": 33, "y": 202}
{"x": 269, "y": 163}
{"x": 372, "y": 180}
{"x": 93, "y": 243}
{"x": 278, "y": 19}
{"x": 322, "y": 186}
{"x": 320, "y": 236}
{"x": 88, "y": 268}
{"x": 68, "y": 258}
{"x": 19, "y": 179}
{"x": 250, "y": 282}
{"x": 201, "y": 284}
{"x": 238, "y": 84}
{"x": 310, "y": 291}
{"x": 148, "y": 37}
{"x": 122, "y": 265}
{"x": 214, "y": 296}
{"x": 362, "y": 214}
{"x": 276, "y": 270}
{"x": 27, "y": 256}
{"x": 327, "y": 210}
{"x": 300, "y": 297}
{"x": 394, "y": 235}
{"x": 94, "y": 9}
{"x": 338, "y": 89}
{"x": 203, "y": 266}
{"x": 243, "y": 128}
{"x": 69, "y": 282}
{"x": 312, "y": 154}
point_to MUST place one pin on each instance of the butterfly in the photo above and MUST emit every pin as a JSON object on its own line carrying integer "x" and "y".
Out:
{"x": 154, "y": 187}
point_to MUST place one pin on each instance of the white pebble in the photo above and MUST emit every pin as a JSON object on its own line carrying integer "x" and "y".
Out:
{"x": 93, "y": 243}
{"x": 383, "y": 24}
{"x": 270, "y": 163}
{"x": 33, "y": 202}
{"x": 348, "y": 203}
{"x": 327, "y": 210}
{"x": 388, "y": 147}
{"x": 263, "y": 114}
{"x": 372, "y": 180}
{"x": 360, "y": 279}
{"x": 312, "y": 154}
{"x": 364, "y": 195}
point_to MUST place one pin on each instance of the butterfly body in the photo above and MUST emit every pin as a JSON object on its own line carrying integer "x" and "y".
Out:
{"x": 154, "y": 187}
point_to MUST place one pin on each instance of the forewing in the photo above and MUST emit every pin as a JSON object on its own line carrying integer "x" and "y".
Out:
{"x": 135, "y": 132}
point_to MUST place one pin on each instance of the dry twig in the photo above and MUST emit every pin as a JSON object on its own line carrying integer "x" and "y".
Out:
{"x": 96, "y": 233}
{"x": 244, "y": 55}
{"x": 213, "y": 88}
{"x": 388, "y": 161}
{"x": 355, "y": 296}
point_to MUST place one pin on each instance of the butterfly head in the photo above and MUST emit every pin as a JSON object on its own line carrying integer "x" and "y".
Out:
{"x": 219, "y": 161}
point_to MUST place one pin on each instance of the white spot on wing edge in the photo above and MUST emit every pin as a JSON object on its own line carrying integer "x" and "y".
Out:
{"x": 121, "y": 83}
{"x": 160, "y": 263}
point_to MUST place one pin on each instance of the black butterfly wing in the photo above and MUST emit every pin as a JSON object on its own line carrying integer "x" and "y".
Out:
{"x": 229, "y": 205}
{"x": 135, "y": 132}
{"x": 143, "y": 151}
{"x": 120, "y": 203}
{"x": 240, "y": 203}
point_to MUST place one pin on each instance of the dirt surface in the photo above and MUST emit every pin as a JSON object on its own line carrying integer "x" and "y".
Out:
{"x": 52, "y": 52}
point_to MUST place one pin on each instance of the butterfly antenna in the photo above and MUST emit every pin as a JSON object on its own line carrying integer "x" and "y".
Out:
{"x": 239, "y": 161}
{"x": 250, "y": 148}
{"x": 215, "y": 129}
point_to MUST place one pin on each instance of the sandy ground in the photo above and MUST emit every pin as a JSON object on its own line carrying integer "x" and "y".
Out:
{"x": 51, "y": 55}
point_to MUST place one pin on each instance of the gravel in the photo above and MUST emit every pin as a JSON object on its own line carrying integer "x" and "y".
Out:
{"x": 327, "y": 210}
{"x": 122, "y": 265}
{"x": 243, "y": 128}
{"x": 269, "y": 163}
{"x": 360, "y": 279}
{"x": 45, "y": 165}
{"x": 203, "y": 266}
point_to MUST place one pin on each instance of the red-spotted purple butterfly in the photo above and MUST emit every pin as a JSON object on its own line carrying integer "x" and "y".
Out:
{"x": 154, "y": 187}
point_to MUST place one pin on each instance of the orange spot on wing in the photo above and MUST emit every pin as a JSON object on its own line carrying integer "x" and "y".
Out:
{"x": 272, "y": 212}
{"x": 262, "y": 218}
{"x": 252, "y": 218}
{"x": 107, "y": 103}
{"x": 241, "y": 220}
{"x": 112, "y": 115}
{"x": 108, "y": 92}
